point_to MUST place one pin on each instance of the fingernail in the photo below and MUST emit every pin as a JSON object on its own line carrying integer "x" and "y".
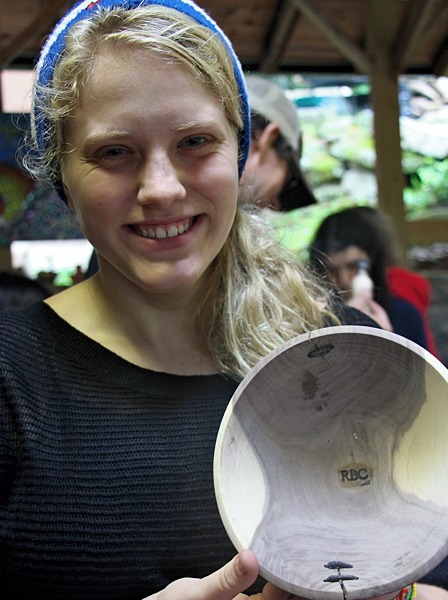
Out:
{"x": 240, "y": 569}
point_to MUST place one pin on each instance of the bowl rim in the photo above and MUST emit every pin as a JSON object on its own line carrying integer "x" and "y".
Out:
{"x": 314, "y": 335}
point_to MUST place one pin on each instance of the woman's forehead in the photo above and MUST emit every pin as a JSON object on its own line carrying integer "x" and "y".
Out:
{"x": 348, "y": 255}
{"x": 145, "y": 79}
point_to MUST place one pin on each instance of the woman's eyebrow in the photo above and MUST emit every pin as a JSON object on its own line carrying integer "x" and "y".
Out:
{"x": 196, "y": 124}
{"x": 105, "y": 134}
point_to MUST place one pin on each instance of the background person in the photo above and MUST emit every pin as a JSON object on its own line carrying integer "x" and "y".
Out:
{"x": 344, "y": 240}
{"x": 403, "y": 282}
{"x": 273, "y": 175}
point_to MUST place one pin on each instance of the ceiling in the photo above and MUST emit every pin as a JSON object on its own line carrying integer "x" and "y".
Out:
{"x": 309, "y": 36}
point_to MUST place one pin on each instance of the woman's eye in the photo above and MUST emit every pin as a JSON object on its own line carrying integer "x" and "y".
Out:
{"x": 353, "y": 267}
{"x": 195, "y": 141}
{"x": 111, "y": 153}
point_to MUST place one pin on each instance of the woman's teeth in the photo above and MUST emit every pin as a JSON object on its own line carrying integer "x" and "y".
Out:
{"x": 163, "y": 232}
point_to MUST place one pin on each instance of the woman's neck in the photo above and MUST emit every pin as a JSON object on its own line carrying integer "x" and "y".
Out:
{"x": 151, "y": 334}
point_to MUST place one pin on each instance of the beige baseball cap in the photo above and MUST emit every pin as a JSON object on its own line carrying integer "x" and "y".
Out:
{"x": 268, "y": 100}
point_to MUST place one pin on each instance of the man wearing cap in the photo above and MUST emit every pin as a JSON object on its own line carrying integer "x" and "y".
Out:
{"x": 273, "y": 176}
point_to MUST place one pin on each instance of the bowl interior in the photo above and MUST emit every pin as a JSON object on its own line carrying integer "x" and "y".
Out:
{"x": 330, "y": 463}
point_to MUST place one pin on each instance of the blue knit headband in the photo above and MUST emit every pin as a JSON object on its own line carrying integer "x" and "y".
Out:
{"x": 84, "y": 9}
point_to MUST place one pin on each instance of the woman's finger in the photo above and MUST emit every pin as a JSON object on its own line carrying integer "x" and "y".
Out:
{"x": 232, "y": 579}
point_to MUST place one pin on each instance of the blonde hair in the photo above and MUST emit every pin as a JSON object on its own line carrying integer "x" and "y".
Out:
{"x": 258, "y": 297}
{"x": 164, "y": 31}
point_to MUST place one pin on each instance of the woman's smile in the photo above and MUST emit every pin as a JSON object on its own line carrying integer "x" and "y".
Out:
{"x": 161, "y": 231}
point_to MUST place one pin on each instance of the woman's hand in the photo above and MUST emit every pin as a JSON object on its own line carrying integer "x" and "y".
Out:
{"x": 430, "y": 592}
{"x": 225, "y": 584}
{"x": 373, "y": 310}
{"x": 229, "y": 583}
{"x": 424, "y": 592}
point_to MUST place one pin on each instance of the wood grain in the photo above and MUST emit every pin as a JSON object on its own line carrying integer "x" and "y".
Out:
{"x": 335, "y": 448}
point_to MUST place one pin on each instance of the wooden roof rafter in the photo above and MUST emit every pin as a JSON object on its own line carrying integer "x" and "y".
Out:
{"x": 354, "y": 53}
{"x": 440, "y": 64}
{"x": 412, "y": 33}
{"x": 38, "y": 26}
{"x": 279, "y": 34}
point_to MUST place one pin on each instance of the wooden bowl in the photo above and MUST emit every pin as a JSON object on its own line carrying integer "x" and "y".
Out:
{"x": 331, "y": 464}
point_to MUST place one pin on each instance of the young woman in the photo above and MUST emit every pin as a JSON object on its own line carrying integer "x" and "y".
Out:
{"x": 113, "y": 391}
{"x": 350, "y": 238}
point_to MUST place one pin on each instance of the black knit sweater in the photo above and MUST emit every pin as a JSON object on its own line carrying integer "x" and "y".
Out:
{"x": 105, "y": 468}
{"x": 106, "y": 483}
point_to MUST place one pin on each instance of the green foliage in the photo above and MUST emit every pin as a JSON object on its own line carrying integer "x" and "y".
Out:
{"x": 296, "y": 229}
{"x": 428, "y": 189}
{"x": 336, "y": 143}
{"x": 338, "y": 139}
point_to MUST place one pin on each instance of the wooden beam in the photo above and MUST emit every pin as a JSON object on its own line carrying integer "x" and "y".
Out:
{"x": 428, "y": 231}
{"x": 382, "y": 25}
{"x": 410, "y": 34}
{"x": 279, "y": 34}
{"x": 41, "y": 24}
{"x": 354, "y": 53}
{"x": 440, "y": 66}
{"x": 438, "y": 24}
{"x": 432, "y": 29}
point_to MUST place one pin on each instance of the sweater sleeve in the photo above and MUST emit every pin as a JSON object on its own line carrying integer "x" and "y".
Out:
{"x": 407, "y": 321}
{"x": 7, "y": 444}
{"x": 7, "y": 461}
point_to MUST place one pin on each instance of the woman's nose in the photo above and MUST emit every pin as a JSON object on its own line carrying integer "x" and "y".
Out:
{"x": 159, "y": 181}
{"x": 345, "y": 277}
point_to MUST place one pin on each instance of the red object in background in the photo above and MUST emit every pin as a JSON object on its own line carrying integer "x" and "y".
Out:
{"x": 415, "y": 289}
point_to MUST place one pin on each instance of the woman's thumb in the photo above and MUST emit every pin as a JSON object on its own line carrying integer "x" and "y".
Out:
{"x": 232, "y": 579}
{"x": 225, "y": 584}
